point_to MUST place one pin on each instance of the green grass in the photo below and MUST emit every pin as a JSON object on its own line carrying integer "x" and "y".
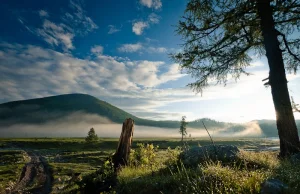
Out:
{"x": 11, "y": 165}
{"x": 68, "y": 156}
{"x": 244, "y": 176}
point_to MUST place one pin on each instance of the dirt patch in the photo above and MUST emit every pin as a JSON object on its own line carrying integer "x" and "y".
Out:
{"x": 35, "y": 176}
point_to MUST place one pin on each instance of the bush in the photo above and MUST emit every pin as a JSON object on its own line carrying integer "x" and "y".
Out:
{"x": 103, "y": 180}
{"x": 143, "y": 156}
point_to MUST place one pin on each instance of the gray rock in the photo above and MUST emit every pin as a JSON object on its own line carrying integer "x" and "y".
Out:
{"x": 196, "y": 155}
{"x": 295, "y": 159}
{"x": 273, "y": 186}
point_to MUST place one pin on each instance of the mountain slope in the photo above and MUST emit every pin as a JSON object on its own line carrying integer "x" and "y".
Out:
{"x": 49, "y": 108}
{"x": 43, "y": 110}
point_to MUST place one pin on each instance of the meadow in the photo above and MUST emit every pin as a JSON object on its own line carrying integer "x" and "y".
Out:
{"x": 79, "y": 167}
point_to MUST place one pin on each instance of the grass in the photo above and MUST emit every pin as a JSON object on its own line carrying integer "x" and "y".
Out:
{"x": 245, "y": 176}
{"x": 69, "y": 156}
{"x": 11, "y": 165}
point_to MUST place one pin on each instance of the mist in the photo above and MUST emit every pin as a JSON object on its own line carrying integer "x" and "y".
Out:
{"x": 78, "y": 124}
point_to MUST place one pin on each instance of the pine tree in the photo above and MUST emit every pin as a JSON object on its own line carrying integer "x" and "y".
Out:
{"x": 220, "y": 36}
{"x": 182, "y": 129}
{"x": 92, "y": 136}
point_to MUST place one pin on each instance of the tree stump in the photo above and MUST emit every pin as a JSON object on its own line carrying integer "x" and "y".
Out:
{"x": 121, "y": 156}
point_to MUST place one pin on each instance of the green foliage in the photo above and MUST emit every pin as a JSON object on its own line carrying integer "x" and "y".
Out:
{"x": 289, "y": 173}
{"x": 173, "y": 155}
{"x": 143, "y": 156}
{"x": 92, "y": 136}
{"x": 103, "y": 180}
{"x": 219, "y": 38}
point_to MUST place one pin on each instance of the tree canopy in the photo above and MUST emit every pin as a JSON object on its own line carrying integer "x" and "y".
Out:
{"x": 220, "y": 38}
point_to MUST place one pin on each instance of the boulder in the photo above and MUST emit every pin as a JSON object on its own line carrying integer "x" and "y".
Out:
{"x": 273, "y": 186}
{"x": 196, "y": 155}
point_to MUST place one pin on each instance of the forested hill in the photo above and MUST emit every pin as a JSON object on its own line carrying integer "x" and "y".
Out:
{"x": 43, "y": 110}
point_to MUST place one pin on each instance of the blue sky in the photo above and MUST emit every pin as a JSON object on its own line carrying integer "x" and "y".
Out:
{"x": 117, "y": 51}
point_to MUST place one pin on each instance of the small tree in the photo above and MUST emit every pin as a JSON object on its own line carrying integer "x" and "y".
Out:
{"x": 92, "y": 136}
{"x": 182, "y": 129}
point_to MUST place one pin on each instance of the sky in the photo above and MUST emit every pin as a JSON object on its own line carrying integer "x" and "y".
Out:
{"x": 118, "y": 51}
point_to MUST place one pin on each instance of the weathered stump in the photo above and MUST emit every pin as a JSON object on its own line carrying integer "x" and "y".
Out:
{"x": 121, "y": 156}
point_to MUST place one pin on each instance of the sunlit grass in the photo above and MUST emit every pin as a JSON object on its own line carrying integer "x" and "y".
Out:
{"x": 69, "y": 156}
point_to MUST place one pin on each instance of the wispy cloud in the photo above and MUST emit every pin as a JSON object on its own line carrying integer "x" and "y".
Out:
{"x": 139, "y": 47}
{"x": 81, "y": 23}
{"x": 62, "y": 73}
{"x": 153, "y": 18}
{"x": 61, "y": 34}
{"x": 130, "y": 48}
{"x": 57, "y": 34}
{"x": 112, "y": 29}
{"x": 155, "y": 4}
{"x": 43, "y": 13}
{"x": 157, "y": 50}
{"x": 28, "y": 71}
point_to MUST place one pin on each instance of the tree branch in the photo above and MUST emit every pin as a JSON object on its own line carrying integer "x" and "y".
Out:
{"x": 287, "y": 45}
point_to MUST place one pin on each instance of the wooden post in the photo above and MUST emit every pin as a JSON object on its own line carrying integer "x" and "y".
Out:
{"x": 121, "y": 156}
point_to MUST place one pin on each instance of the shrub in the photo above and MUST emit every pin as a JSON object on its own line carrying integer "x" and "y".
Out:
{"x": 143, "y": 156}
{"x": 103, "y": 180}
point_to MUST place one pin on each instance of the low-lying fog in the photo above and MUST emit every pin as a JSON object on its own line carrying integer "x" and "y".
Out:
{"x": 78, "y": 125}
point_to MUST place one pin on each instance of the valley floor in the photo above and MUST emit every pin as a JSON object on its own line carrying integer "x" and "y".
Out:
{"x": 63, "y": 165}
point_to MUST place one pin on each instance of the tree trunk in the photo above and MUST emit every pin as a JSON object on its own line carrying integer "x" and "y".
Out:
{"x": 287, "y": 129}
{"x": 121, "y": 156}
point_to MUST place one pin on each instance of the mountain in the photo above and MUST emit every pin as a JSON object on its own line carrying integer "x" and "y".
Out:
{"x": 43, "y": 110}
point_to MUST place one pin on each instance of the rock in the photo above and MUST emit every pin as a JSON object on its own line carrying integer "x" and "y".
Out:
{"x": 196, "y": 155}
{"x": 273, "y": 186}
{"x": 295, "y": 159}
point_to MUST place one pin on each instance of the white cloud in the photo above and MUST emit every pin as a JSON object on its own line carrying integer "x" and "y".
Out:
{"x": 97, "y": 49}
{"x": 112, "y": 29}
{"x": 156, "y": 4}
{"x": 138, "y": 27}
{"x": 78, "y": 19}
{"x": 28, "y": 71}
{"x": 43, "y": 13}
{"x": 157, "y": 49}
{"x": 48, "y": 72}
{"x": 56, "y": 35}
{"x": 256, "y": 64}
{"x": 72, "y": 24}
{"x": 130, "y": 48}
{"x": 153, "y": 18}
{"x": 138, "y": 47}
